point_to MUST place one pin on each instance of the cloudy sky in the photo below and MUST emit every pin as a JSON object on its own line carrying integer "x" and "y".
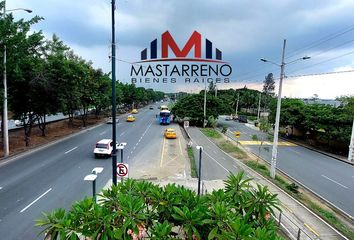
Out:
{"x": 244, "y": 31}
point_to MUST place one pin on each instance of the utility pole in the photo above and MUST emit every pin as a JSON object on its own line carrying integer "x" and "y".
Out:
{"x": 351, "y": 146}
{"x": 236, "y": 108}
{"x": 259, "y": 106}
{"x": 114, "y": 151}
{"x": 216, "y": 91}
{"x": 205, "y": 88}
{"x": 277, "y": 117}
{"x": 5, "y": 118}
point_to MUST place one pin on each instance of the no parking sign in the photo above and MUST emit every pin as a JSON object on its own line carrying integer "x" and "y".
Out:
{"x": 122, "y": 170}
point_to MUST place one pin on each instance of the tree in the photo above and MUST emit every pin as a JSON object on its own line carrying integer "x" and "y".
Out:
{"x": 192, "y": 107}
{"x": 269, "y": 85}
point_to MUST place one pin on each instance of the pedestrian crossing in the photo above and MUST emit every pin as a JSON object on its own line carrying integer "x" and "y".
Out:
{"x": 265, "y": 143}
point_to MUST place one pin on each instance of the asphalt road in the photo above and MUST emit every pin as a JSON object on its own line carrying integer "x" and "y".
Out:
{"x": 326, "y": 176}
{"x": 53, "y": 177}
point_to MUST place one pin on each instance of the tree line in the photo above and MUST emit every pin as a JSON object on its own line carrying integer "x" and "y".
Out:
{"x": 45, "y": 76}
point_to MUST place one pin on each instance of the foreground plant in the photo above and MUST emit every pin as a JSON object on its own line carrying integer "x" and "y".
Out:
{"x": 142, "y": 210}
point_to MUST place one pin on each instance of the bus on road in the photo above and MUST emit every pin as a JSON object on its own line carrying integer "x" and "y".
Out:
{"x": 164, "y": 117}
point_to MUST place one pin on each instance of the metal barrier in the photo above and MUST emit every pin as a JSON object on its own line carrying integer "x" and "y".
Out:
{"x": 291, "y": 228}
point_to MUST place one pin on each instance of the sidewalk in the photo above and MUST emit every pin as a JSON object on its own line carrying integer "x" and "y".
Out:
{"x": 295, "y": 219}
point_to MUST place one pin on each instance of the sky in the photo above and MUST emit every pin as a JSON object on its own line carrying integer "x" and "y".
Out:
{"x": 245, "y": 32}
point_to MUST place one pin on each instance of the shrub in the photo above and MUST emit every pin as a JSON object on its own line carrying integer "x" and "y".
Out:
{"x": 136, "y": 210}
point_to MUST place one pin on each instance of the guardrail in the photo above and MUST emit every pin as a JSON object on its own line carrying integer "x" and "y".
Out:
{"x": 292, "y": 229}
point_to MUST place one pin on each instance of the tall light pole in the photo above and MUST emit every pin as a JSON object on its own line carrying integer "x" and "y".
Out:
{"x": 4, "y": 116}
{"x": 114, "y": 151}
{"x": 259, "y": 106}
{"x": 204, "y": 119}
{"x": 277, "y": 116}
{"x": 351, "y": 146}
{"x": 236, "y": 107}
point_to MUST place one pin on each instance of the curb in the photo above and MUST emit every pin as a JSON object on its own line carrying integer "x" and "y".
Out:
{"x": 6, "y": 160}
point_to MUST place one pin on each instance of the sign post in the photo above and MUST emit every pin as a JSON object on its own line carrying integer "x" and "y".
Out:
{"x": 237, "y": 135}
{"x": 122, "y": 170}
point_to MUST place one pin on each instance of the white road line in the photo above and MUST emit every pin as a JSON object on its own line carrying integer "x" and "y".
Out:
{"x": 50, "y": 189}
{"x": 131, "y": 152}
{"x": 214, "y": 152}
{"x": 216, "y": 161}
{"x": 102, "y": 133}
{"x": 0, "y": 188}
{"x": 235, "y": 166}
{"x": 70, "y": 150}
{"x": 122, "y": 134}
{"x": 223, "y": 158}
{"x": 334, "y": 181}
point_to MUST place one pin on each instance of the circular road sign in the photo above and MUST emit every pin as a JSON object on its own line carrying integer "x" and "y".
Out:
{"x": 122, "y": 169}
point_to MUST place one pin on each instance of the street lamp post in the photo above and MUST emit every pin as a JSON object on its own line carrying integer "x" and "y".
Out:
{"x": 114, "y": 151}
{"x": 5, "y": 117}
{"x": 277, "y": 116}
{"x": 204, "y": 119}
{"x": 200, "y": 148}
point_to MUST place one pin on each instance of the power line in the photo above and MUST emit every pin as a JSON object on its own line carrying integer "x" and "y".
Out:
{"x": 320, "y": 41}
{"x": 328, "y": 60}
{"x": 329, "y": 49}
{"x": 318, "y": 74}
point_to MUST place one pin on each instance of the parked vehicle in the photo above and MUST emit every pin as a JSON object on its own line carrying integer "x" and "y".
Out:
{"x": 242, "y": 118}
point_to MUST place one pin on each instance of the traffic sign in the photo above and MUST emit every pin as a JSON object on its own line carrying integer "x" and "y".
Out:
{"x": 122, "y": 169}
{"x": 237, "y": 134}
{"x": 186, "y": 124}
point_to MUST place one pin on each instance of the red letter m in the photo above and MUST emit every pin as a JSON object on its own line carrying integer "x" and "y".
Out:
{"x": 195, "y": 40}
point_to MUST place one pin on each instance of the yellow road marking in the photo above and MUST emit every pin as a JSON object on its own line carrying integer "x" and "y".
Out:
{"x": 289, "y": 209}
{"x": 162, "y": 152}
{"x": 311, "y": 229}
{"x": 267, "y": 143}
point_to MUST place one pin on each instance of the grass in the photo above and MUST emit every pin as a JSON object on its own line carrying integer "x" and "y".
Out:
{"x": 192, "y": 161}
{"x": 210, "y": 132}
{"x": 232, "y": 149}
{"x": 290, "y": 188}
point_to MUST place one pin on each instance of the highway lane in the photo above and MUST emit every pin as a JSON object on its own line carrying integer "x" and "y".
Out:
{"x": 327, "y": 177}
{"x": 53, "y": 177}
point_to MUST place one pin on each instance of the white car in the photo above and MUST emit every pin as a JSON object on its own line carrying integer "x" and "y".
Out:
{"x": 104, "y": 148}
{"x": 110, "y": 120}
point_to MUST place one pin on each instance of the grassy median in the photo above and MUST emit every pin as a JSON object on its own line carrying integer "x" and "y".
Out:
{"x": 291, "y": 188}
{"x": 192, "y": 162}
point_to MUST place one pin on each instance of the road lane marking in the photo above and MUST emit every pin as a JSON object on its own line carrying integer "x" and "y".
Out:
{"x": 70, "y": 150}
{"x": 223, "y": 158}
{"x": 180, "y": 146}
{"x": 50, "y": 189}
{"x": 216, "y": 162}
{"x": 311, "y": 229}
{"x": 0, "y": 188}
{"x": 122, "y": 134}
{"x": 214, "y": 152}
{"x": 163, "y": 149}
{"x": 102, "y": 133}
{"x": 334, "y": 181}
{"x": 235, "y": 166}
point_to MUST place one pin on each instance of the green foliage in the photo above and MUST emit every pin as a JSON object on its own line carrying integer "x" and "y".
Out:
{"x": 47, "y": 77}
{"x": 224, "y": 130}
{"x": 293, "y": 188}
{"x": 191, "y": 106}
{"x": 210, "y": 132}
{"x": 146, "y": 210}
{"x": 324, "y": 122}
{"x": 192, "y": 162}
